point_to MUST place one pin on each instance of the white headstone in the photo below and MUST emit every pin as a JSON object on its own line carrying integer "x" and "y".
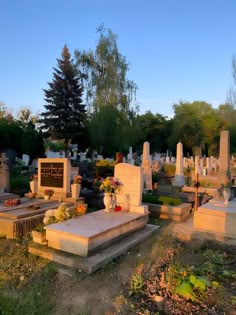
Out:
{"x": 25, "y": 159}
{"x": 131, "y": 178}
{"x": 179, "y": 172}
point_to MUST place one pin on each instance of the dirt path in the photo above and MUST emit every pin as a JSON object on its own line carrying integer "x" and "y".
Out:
{"x": 96, "y": 293}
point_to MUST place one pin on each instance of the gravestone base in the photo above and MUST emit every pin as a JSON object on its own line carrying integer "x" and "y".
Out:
{"x": 98, "y": 260}
{"x": 216, "y": 217}
{"x": 92, "y": 232}
{"x": 175, "y": 213}
{"x": 17, "y": 221}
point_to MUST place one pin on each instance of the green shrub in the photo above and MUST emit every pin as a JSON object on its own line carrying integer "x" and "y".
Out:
{"x": 169, "y": 169}
{"x": 163, "y": 200}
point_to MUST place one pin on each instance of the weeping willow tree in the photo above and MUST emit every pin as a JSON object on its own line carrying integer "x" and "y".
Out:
{"x": 109, "y": 94}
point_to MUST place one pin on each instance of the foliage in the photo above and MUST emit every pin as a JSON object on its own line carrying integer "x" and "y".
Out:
{"x": 39, "y": 227}
{"x": 154, "y": 128}
{"x": 55, "y": 145}
{"x": 104, "y": 168}
{"x": 19, "y": 185}
{"x": 169, "y": 169}
{"x": 166, "y": 200}
{"x": 109, "y": 94}
{"x": 190, "y": 284}
{"x": 136, "y": 284}
{"x": 104, "y": 73}
{"x": 65, "y": 115}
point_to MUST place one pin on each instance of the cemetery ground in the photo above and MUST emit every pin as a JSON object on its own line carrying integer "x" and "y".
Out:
{"x": 162, "y": 275}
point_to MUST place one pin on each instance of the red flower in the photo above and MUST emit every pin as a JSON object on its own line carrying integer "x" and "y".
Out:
{"x": 118, "y": 208}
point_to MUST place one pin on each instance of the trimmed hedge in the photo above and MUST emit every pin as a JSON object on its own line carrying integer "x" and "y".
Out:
{"x": 162, "y": 200}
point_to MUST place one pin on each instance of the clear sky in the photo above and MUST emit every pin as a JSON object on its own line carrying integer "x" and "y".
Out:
{"x": 177, "y": 49}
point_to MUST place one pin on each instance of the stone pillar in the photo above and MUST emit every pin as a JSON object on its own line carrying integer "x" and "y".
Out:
{"x": 208, "y": 164}
{"x": 197, "y": 166}
{"x": 146, "y": 166}
{"x": 179, "y": 172}
{"x": 224, "y": 174}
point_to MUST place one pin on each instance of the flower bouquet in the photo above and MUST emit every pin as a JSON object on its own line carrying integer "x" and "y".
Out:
{"x": 81, "y": 209}
{"x": 77, "y": 179}
{"x": 48, "y": 192}
{"x": 109, "y": 184}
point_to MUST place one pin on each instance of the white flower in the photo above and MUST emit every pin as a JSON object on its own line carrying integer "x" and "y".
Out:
{"x": 49, "y": 213}
{"x": 46, "y": 220}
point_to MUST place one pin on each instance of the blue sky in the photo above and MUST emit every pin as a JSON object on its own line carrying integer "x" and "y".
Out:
{"x": 177, "y": 49}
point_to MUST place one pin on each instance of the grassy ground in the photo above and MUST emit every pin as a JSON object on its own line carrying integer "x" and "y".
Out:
{"x": 162, "y": 276}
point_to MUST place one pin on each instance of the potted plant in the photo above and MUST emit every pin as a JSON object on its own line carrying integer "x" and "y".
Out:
{"x": 76, "y": 186}
{"x": 48, "y": 193}
{"x": 39, "y": 234}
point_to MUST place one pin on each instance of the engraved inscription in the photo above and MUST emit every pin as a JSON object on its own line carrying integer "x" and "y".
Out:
{"x": 52, "y": 174}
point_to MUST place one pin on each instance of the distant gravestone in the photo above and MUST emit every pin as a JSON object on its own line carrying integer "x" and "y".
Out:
{"x": 25, "y": 159}
{"x": 54, "y": 173}
{"x": 131, "y": 178}
{"x": 130, "y": 159}
{"x": 179, "y": 173}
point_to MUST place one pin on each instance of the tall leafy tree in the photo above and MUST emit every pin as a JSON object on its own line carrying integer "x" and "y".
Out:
{"x": 108, "y": 93}
{"x": 153, "y": 128}
{"x": 187, "y": 125}
{"x": 65, "y": 115}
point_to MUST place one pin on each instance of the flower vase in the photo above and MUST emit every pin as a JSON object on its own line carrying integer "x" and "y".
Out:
{"x": 46, "y": 197}
{"x": 107, "y": 200}
{"x": 226, "y": 195}
{"x": 75, "y": 191}
{"x": 33, "y": 186}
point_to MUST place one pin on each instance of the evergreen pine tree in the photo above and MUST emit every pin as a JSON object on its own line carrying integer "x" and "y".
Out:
{"x": 65, "y": 115}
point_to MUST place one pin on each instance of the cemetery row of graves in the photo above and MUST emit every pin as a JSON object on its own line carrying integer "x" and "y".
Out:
{"x": 123, "y": 197}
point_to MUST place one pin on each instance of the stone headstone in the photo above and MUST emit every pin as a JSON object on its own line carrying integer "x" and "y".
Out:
{"x": 131, "y": 178}
{"x": 54, "y": 173}
{"x": 179, "y": 172}
{"x": 130, "y": 159}
{"x": 25, "y": 159}
{"x": 147, "y": 167}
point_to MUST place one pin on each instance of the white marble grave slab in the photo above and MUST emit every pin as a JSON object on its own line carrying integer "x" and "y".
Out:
{"x": 87, "y": 234}
{"x": 216, "y": 217}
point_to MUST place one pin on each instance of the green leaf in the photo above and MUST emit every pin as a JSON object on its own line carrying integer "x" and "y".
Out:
{"x": 201, "y": 283}
{"x": 185, "y": 290}
{"x": 192, "y": 279}
{"x": 215, "y": 284}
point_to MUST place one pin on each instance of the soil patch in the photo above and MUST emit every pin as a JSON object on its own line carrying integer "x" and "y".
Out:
{"x": 132, "y": 284}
